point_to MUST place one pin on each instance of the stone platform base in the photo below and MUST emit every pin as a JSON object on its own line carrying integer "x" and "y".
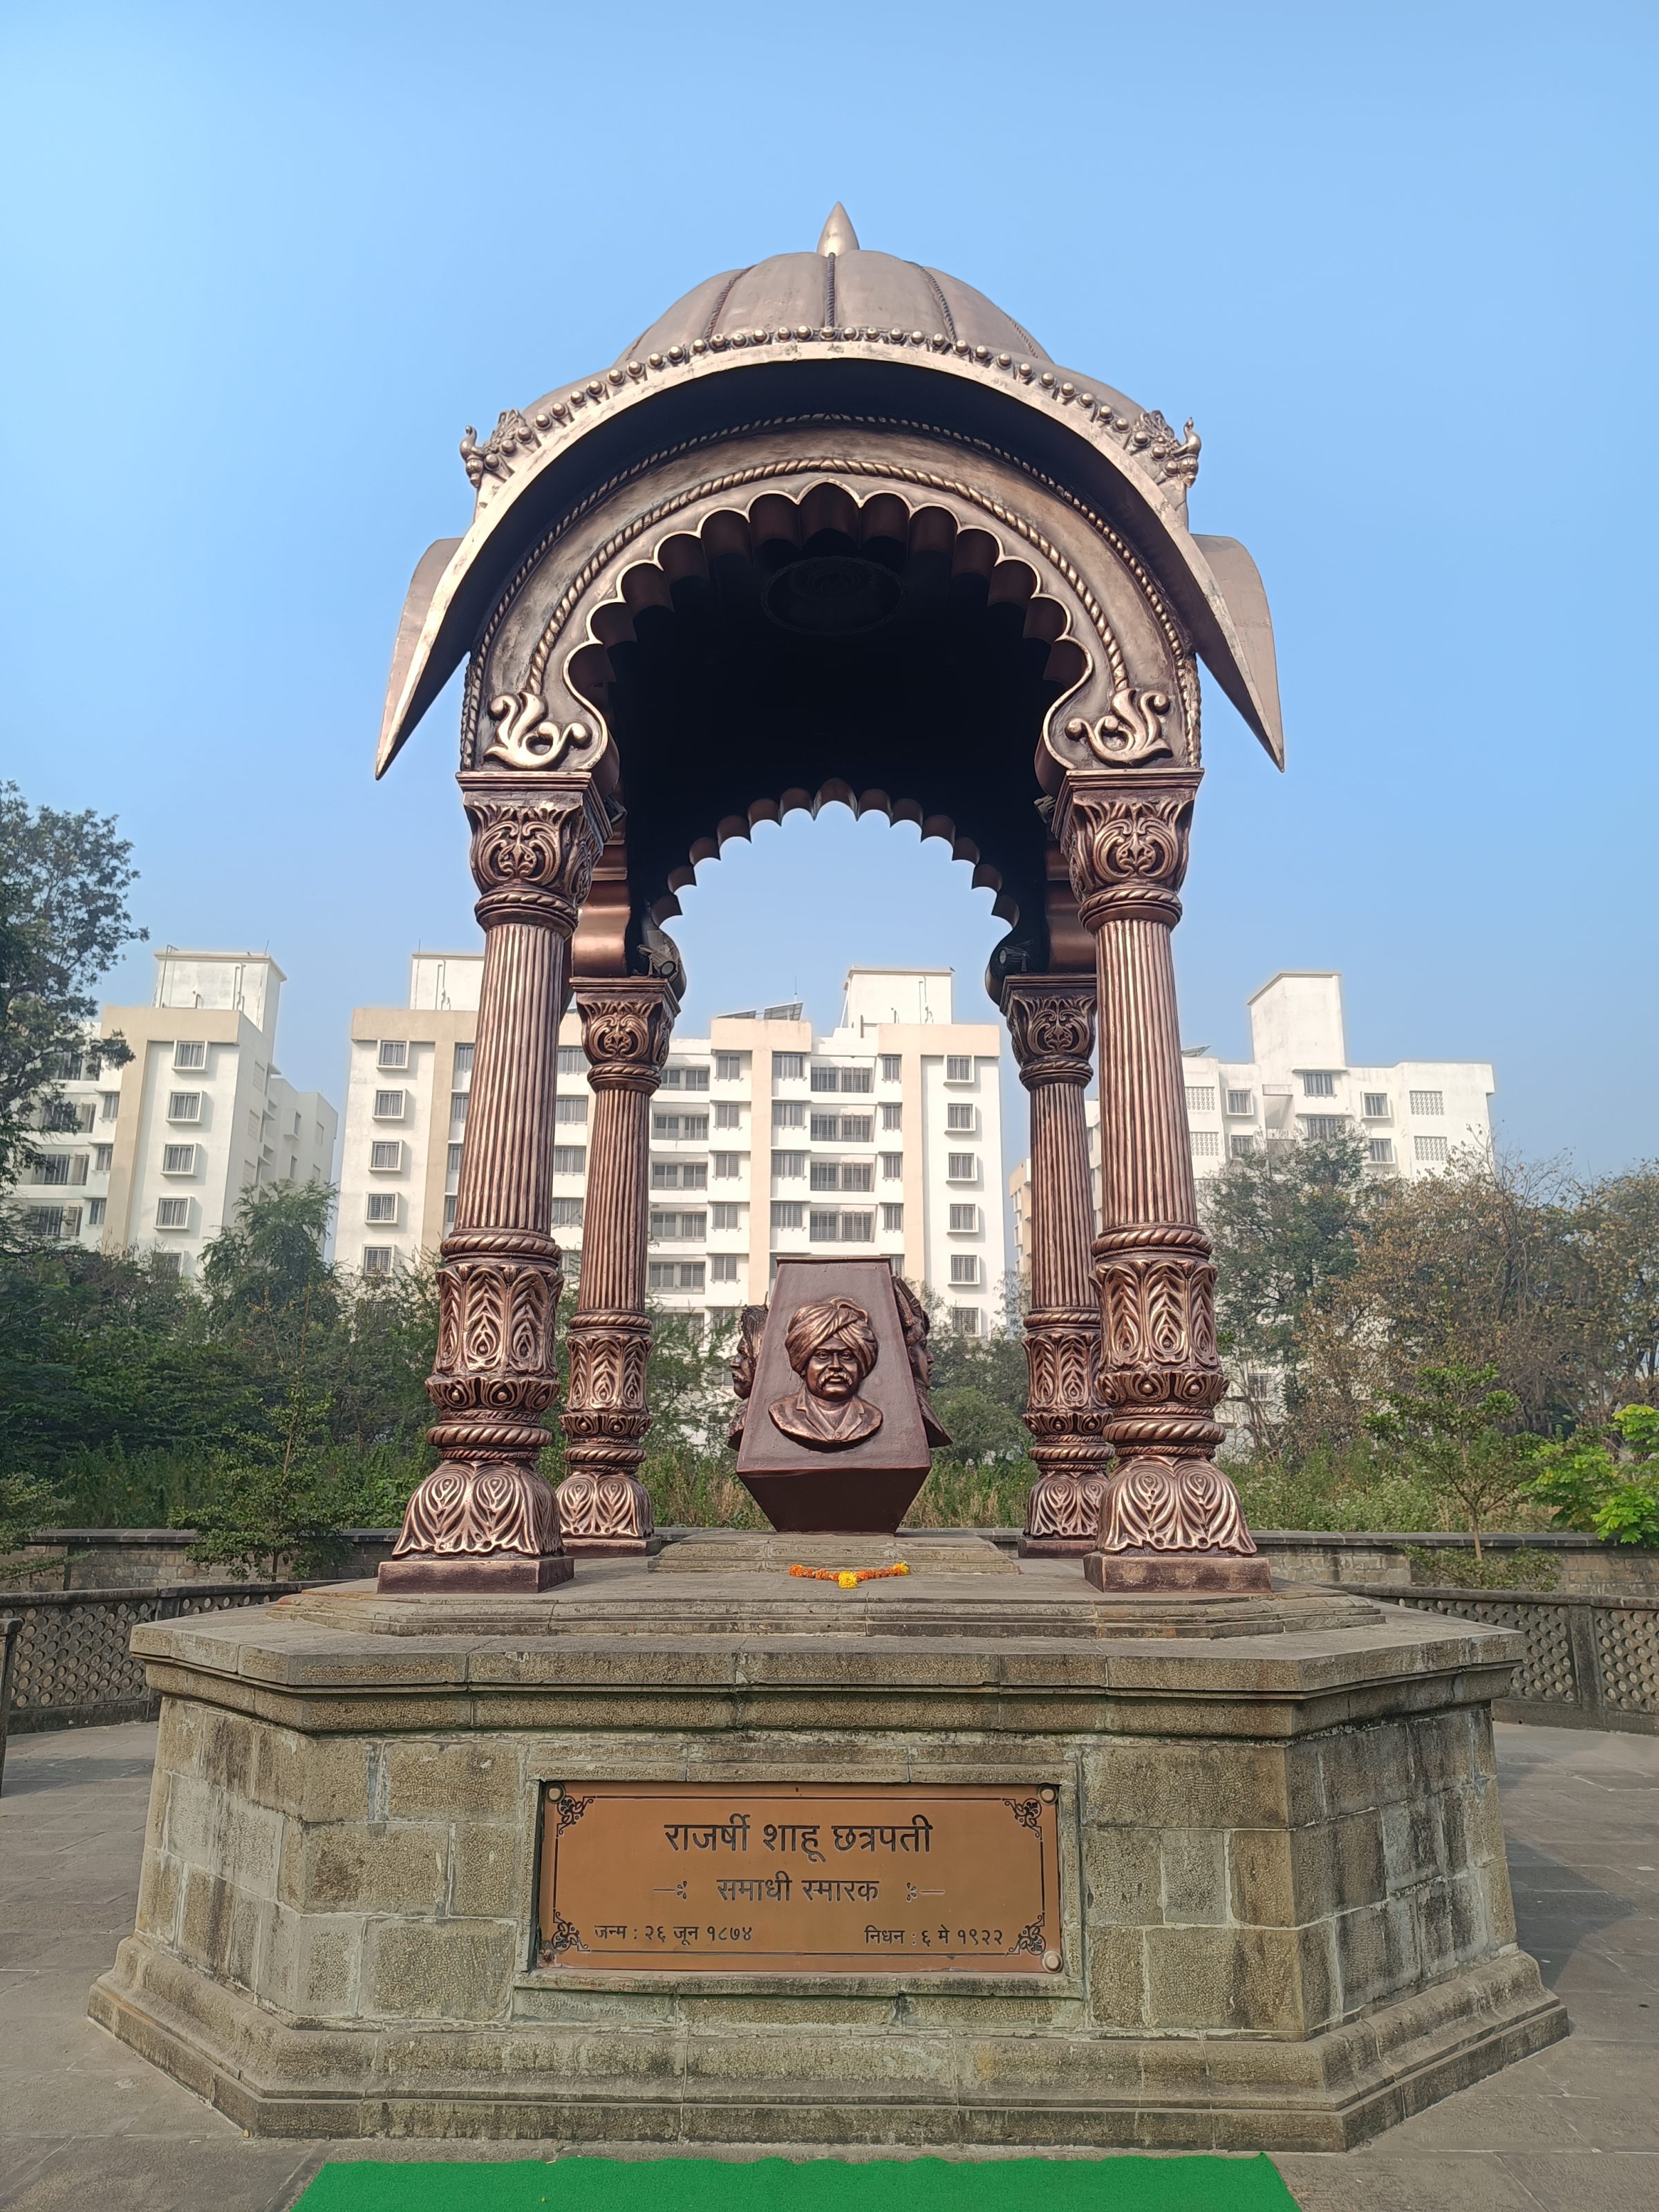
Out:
{"x": 1281, "y": 1904}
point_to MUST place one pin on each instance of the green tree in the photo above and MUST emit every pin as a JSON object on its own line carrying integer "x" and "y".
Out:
{"x": 1456, "y": 1431}
{"x": 282, "y": 1504}
{"x": 63, "y": 920}
{"x": 27, "y": 1505}
{"x": 1605, "y": 1483}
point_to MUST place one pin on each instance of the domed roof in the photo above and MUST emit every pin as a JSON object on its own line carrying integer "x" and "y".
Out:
{"x": 839, "y": 287}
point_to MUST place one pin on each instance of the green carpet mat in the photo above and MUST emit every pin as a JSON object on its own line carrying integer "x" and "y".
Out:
{"x": 1126, "y": 2184}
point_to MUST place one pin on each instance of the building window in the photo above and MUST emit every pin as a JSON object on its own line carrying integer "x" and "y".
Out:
{"x": 856, "y": 1128}
{"x": 95, "y": 1213}
{"x": 959, "y": 1117}
{"x": 788, "y": 1066}
{"x": 674, "y": 1275}
{"x": 787, "y": 1166}
{"x": 570, "y": 1159}
{"x": 1241, "y": 1147}
{"x": 841, "y": 1079}
{"x": 377, "y": 1259}
{"x": 965, "y": 1270}
{"x": 842, "y": 1175}
{"x": 892, "y": 1218}
{"x": 389, "y": 1105}
{"x": 571, "y": 1109}
{"x": 186, "y": 1106}
{"x": 728, "y": 1068}
{"x": 381, "y": 1205}
{"x": 1240, "y": 1102}
{"x": 892, "y": 1117}
{"x": 452, "y": 1165}
{"x": 788, "y": 1213}
{"x": 892, "y": 1166}
{"x": 572, "y": 1060}
{"x": 386, "y": 1155}
{"x": 1375, "y": 1105}
{"x": 679, "y": 1174}
{"x": 826, "y": 1175}
{"x": 838, "y": 1228}
{"x": 965, "y": 1319}
{"x": 679, "y": 1228}
{"x": 964, "y": 1220}
{"x": 458, "y": 1109}
{"x": 1200, "y": 1098}
{"x": 1206, "y": 1144}
{"x": 728, "y": 1217}
{"x": 190, "y": 1052}
{"x": 678, "y": 1076}
{"x": 723, "y": 1266}
{"x": 172, "y": 1213}
{"x": 728, "y": 1115}
{"x": 727, "y": 1166}
{"x": 394, "y": 1053}
{"x": 788, "y": 1114}
{"x": 1428, "y": 1101}
{"x": 1379, "y": 1151}
{"x": 54, "y": 1168}
{"x": 103, "y": 1156}
{"x": 1315, "y": 1126}
{"x": 567, "y": 1214}
{"x": 961, "y": 1167}
{"x": 1434, "y": 1150}
{"x": 1317, "y": 1083}
{"x": 109, "y": 1104}
{"x": 679, "y": 1127}
{"x": 177, "y": 1159}
{"x": 825, "y": 1129}
{"x": 958, "y": 1069}
{"x": 464, "y": 1059}
{"x": 892, "y": 1067}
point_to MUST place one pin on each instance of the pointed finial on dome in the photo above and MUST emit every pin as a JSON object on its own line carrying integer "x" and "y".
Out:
{"x": 838, "y": 235}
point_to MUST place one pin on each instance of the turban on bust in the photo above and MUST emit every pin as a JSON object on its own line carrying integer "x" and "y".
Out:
{"x": 830, "y": 1324}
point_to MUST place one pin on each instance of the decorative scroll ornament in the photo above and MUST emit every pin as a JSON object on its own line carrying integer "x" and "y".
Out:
{"x": 1064, "y": 1508}
{"x": 512, "y": 433}
{"x": 1051, "y": 1027}
{"x": 1154, "y": 1504}
{"x": 525, "y": 737}
{"x": 625, "y": 1034}
{"x": 1131, "y": 730}
{"x": 1150, "y": 436}
{"x": 1126, "y": 845}
{"x": 597, "y": 1508}
{"x": 476, "y": 1510}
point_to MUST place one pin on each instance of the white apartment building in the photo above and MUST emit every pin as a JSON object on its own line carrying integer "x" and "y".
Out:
{"x": 1412, "y": 1117}
{"x": 154, "y": 1155}
{"x": 883, "y": 1136}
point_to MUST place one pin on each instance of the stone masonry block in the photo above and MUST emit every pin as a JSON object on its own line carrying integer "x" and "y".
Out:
{"x": 1262, "y": 1890}
{"x": 1376, "y": 1953}
{"x": 1122, "y": 1877}
{"x": 221, "y": 1928}
{"x": 210, "y": 1826}
{"x": 1156, "y": 1784}
{"x": 1117, "y": 1978}
{"x": 343, "y": 1867}
{"x": 441, "y": 1970}
{"x": 1194, "y": 1876}
{"x": 428, "y": 1780}
{"x": 312, "y": 1963}
{"x": 158, "y": 1885}
{"x": 1362, "y": 1768}
{"x": 314, "y": 1777}
{"x": 487, "y": 1878}
{"x": 1213, "y": 1980}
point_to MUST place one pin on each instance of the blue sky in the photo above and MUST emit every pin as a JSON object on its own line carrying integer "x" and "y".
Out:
{"x": 262, "y": 264}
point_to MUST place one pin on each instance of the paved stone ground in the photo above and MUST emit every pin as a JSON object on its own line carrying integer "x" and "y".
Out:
{"x": 85, "y": 2124}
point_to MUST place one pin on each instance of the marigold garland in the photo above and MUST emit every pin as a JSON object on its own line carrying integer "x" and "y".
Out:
{"x": 848, "y": 1578}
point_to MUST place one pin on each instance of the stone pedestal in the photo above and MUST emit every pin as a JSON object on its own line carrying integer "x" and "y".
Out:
{"x": 1283, "y": 1910}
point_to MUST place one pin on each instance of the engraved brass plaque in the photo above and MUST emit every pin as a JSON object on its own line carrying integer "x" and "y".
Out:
{"x": 835, "y": 1878}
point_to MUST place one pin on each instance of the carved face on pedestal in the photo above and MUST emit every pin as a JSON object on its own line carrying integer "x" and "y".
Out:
{"x": 832, "y": 1347}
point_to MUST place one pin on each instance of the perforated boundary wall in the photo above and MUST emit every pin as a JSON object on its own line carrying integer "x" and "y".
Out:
{"x": 72, "y": 1666}
{"x": 1589, "y": 1661}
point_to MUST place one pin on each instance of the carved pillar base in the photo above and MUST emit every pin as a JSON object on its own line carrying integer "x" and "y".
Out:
{"x": 604, "y": 1511}
{"x": 1066, "y": 1417}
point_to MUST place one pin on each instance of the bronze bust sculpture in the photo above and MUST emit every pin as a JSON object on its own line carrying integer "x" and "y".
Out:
{"x": 832, "y": 1347}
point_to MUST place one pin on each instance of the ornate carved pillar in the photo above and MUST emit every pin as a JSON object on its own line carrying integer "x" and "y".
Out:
{"x": 603, "y": 1506}
{"x": 1170, "y": 1517}
{"x": 484, "y": 1518}
{"x": 1051, "y": 1020}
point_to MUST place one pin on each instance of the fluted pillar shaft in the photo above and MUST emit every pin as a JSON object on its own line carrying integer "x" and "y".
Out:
{"x": 1170, "y": 1517}
{"x": 485, "y": 1517}
{"x": 1051, "y": 1022}
{"x": 603, "y": 1506}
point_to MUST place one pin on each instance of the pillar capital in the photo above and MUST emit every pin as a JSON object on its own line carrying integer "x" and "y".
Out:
{"x": 1051, "y": 1026}
{"x": 535, "y": 841}
{"x": 627, "y": 1023}
{"x": 1125, "y": 836}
